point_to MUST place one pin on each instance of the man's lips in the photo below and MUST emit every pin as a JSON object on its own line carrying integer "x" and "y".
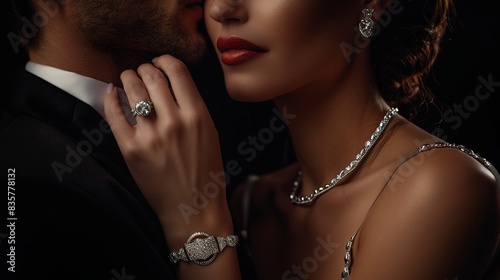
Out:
{"x": 236, "y": 51}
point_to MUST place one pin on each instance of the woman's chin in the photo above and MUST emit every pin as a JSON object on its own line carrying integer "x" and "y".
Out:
{"x": 245, "y": 90}
{"x": 246, "y": 96}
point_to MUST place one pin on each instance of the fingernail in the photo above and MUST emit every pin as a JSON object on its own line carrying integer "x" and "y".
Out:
{"x": 155, "y": 60}
{"x": 110, "y": 88}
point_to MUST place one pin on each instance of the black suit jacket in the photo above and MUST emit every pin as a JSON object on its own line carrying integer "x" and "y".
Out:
{"x": 78, "y": 213}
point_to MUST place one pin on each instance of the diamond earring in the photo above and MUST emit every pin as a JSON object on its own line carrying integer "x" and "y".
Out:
{"x": 366, "y": 24}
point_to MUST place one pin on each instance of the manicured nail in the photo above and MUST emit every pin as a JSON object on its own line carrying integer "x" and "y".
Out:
{"x": 110, "y": 88}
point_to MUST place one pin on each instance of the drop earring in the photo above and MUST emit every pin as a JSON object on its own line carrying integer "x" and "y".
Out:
{"x": 366, "y": 24}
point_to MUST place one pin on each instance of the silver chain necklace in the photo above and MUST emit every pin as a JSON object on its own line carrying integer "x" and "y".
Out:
{"x": 306, "y": 199}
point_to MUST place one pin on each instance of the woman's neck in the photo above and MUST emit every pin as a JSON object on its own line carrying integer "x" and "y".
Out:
{"x": 331, "y": 125}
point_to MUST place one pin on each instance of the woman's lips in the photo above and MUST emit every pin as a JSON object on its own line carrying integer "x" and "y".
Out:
{"x": 236, "y": 51}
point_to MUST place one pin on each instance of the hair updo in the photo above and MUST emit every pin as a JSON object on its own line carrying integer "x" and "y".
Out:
{"x": 405, "y": 49}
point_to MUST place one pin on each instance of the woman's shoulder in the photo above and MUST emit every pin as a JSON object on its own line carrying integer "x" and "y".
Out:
{"x": 442, "y": 201}
{"x": 449, "y": 178}
{"x": 434, "y": 162}
{"x": 442, "y": 166}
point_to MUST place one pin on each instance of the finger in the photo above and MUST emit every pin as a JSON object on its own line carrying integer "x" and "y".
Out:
{"x": 159, "y": 92}
{"x": 115, "y": 116}
{"x": 136, "y": 92}
{"x": 183, "y": 86}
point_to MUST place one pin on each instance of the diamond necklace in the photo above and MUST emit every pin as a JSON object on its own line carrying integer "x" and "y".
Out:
{"x": 306, "y": 199}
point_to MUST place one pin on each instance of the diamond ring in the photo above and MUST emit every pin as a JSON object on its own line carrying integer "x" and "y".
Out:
{"x": 142, "y": 108}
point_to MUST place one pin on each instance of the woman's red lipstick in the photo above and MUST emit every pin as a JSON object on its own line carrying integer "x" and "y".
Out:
{"x": 236, "y": 51}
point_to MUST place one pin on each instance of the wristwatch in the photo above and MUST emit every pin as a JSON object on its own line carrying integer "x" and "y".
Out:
{"x": 202, "y": 248}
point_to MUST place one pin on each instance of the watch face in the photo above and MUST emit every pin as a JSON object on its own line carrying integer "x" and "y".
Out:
{"x": 203, "y": 249}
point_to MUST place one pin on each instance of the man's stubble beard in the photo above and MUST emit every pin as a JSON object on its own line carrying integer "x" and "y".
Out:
{"x": 131, "y": 39}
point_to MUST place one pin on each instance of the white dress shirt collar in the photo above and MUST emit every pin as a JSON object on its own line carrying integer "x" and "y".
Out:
{"x": 85, "y": 89}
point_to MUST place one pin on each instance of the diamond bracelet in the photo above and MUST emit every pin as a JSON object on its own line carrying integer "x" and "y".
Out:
{"x": 202, "y": 248}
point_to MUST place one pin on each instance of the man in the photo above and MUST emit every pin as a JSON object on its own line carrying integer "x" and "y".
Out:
{"x": 74, "y": 211}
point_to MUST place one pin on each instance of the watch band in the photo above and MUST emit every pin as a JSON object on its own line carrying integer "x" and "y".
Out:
{"x": 202, "y": 248}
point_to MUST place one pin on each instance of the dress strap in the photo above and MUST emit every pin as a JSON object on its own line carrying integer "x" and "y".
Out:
{"x": 426, "y": 147}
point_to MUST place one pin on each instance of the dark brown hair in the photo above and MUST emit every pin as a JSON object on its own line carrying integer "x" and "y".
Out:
{"x": 405, "y": 50}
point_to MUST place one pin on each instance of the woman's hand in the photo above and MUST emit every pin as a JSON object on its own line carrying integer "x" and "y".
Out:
{"x": 174, "y": 152}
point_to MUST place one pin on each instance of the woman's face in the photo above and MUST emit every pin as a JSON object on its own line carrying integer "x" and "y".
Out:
{"x": 271, "y": 47}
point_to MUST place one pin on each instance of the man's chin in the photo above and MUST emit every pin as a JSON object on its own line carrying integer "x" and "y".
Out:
{"x": 194, "y": 52}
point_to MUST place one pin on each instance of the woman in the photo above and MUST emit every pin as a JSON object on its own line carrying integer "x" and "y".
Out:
{"x": 371, "y": 196}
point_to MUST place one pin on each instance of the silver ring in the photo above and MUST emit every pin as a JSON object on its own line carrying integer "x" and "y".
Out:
{"x": 143, "y": 108}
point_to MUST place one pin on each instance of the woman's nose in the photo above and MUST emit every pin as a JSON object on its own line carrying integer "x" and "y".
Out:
{"x": 224, "y": 11}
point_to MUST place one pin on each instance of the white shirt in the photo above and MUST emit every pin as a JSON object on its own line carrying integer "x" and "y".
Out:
{"x": 85, "y": 89}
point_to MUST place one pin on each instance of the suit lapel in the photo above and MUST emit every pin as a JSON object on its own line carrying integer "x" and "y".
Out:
{"x": 75, "y": 119}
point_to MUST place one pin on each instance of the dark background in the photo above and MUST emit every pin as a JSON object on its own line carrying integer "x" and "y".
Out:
{"x": 470, "y": 50}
